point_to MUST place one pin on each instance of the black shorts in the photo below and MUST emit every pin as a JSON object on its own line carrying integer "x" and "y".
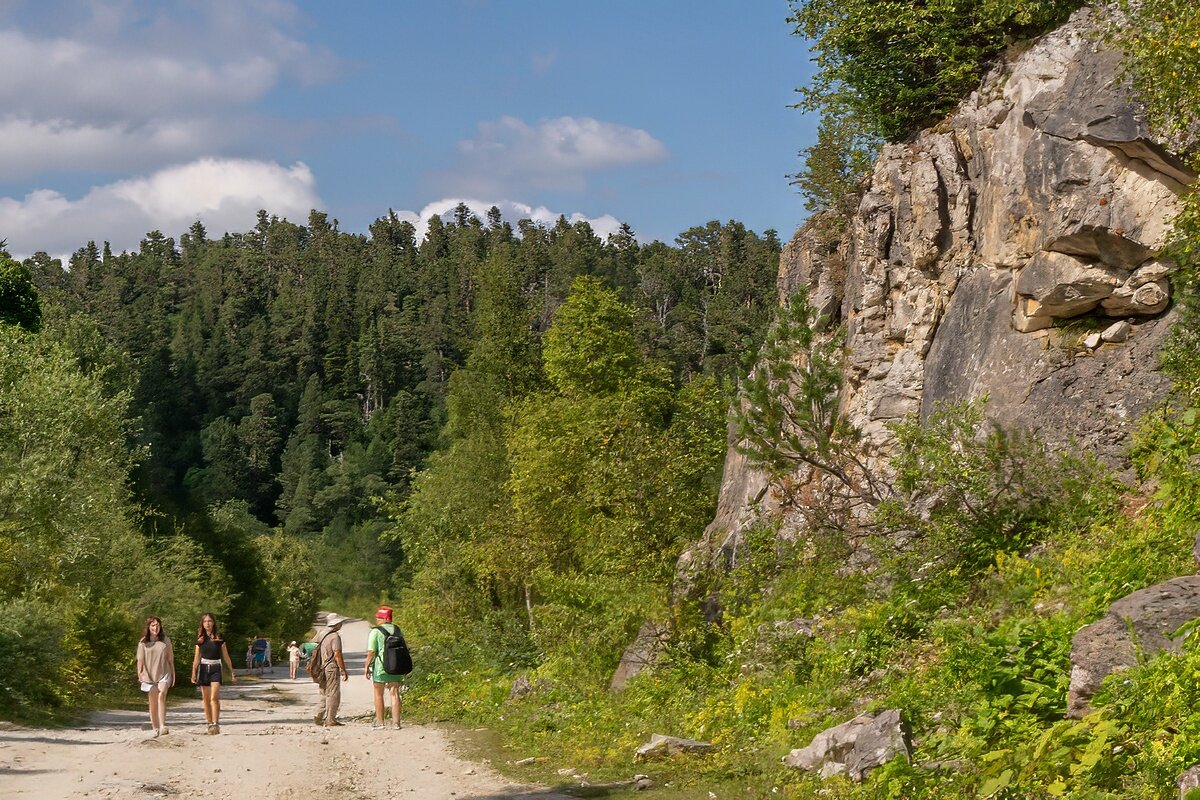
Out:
{"x": 208, "y": 674}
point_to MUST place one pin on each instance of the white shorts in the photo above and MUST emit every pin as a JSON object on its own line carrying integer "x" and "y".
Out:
{"x": 164, "y": 683}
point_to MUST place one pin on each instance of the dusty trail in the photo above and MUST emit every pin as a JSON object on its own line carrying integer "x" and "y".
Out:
{"x": 268, "y": 747}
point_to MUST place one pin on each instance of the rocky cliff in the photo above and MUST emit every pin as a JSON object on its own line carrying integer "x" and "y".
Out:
{"x": 1043, "y": 198}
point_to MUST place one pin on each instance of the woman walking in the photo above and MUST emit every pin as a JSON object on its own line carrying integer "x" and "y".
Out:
{"x": 206, "y": 669}
{"x": 293, "y": 652}
{"x": 156, "y": 671}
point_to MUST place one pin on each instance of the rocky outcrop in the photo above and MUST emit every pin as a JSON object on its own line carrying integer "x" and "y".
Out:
{"x": 856, "y": 747}
{"x": 1139, "y": 624}
{"x": 1044, "y": 197}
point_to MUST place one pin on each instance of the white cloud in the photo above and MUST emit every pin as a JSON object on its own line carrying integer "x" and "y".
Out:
{"x": 511, "y": 210}
{"x": 31, "y": 147}
{"x": 508, "y": 155}
{"x": 224, "y": 194}
{"x": 142, "y": 83}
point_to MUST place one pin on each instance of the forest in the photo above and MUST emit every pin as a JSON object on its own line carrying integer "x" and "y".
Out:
{"x": 511, "y": 432}
{"x": 270, "y": 420}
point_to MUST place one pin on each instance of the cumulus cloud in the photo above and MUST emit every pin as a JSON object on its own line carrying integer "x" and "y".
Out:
{"x": 511, "y": 210}
{"x": 141, "y": 83}
{"x": 508, "y": 155}
{"x": 31, "y": 147}
{"x": 224, "y": 194}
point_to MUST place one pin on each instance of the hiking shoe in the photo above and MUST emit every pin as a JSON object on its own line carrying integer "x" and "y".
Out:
{"x": 154, "y": 734}
{"x": 397, "y": 726}
{"x": 164, "y": 730}
{"x": 377, "y": 725}
{"x": 319, "y": 720}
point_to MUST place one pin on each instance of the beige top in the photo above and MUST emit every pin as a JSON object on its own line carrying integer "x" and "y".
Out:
{"x": 331, "y": 643}
{"x": 157, "y": 660}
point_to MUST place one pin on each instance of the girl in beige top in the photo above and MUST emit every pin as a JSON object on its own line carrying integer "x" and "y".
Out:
{"x": 156, "y": 671}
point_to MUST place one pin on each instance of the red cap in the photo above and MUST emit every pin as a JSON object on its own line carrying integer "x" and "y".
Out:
{"x": 384, "y": 613}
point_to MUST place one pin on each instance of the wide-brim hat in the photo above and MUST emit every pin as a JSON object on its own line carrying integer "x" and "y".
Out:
{"x": 333, "y": 620}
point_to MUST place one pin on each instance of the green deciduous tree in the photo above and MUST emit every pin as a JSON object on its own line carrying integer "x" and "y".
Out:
{"x": 19, "y": 304}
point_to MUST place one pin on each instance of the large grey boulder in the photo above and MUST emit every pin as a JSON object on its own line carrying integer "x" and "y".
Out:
{"x": 661, "y": 745}
{"x": 1188, "y": 782}
{"x": 1142, "y": 622}
{"x": 856, "y": 747}
{"x": 641, "y": 653}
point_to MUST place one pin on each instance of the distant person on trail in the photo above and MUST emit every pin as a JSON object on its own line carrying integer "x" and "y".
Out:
{"x": 329, "y": 646}
{"x": 206, "y": 669}
{"x": 260, "y": 651}
{"x": 293, "y": 659}
{"x": 156, "y": 671}
{"x": 380, "y": 678}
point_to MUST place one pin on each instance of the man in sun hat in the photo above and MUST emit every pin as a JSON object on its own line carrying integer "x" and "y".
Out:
{"x": 330, "y": 648}
{"x": 374, "y": 670}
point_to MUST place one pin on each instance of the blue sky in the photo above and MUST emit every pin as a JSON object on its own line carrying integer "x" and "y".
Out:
{"x": 123, "y": 116}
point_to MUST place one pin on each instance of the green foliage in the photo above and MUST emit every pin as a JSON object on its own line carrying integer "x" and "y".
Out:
{"x": 834, "y": 167}
{"x": 1160, "y": 40}
{"x": 1181, "y": 352}
{"x": 76, "y": 576}
{"x": 886, "y": 71}
{"x": 900, "y": 66}
{"x": 790, "y": 415}
{"x": 590, "y": 348}
{"x": 967, "y": 489}
{"x": 19, "y": 303}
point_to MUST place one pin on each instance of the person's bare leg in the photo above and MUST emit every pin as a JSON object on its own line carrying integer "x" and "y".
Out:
{"x": 395, "y": 688}
{"x": 152, "y": 701}
{"x": 216, "y": 705}
{"x": 162, "y": 710}
{"x": 378, "y": 688}
{"x": 206, "y": 699}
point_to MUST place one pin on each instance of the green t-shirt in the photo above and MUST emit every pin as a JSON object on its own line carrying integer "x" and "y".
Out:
{"x": 375, "y": 642}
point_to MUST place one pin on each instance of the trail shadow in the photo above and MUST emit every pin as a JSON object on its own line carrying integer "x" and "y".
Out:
{"x": 557, "y": 793}
{"x": 40, "y": 737}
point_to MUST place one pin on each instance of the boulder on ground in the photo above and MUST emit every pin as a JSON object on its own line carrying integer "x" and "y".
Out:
{"x": 1142, "y": 622}
{"x": 640, "y": 654}
{"x": 520, "y": 687}
{"x": 660, "y": 745}
{"x": 856, "y": 747}
{"x": 1188, "y": 782}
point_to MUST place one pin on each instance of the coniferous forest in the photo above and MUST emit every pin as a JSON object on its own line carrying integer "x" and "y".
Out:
{"x": 505, "y": 416}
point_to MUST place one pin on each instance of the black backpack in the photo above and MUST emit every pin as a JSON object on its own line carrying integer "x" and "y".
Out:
{"x": 396, "y": 658}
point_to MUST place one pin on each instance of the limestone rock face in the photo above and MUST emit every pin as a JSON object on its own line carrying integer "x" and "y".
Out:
{"x": 1042, "y": 198}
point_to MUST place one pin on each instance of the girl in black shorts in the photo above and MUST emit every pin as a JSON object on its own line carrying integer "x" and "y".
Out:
{"x": 206, "y": 669}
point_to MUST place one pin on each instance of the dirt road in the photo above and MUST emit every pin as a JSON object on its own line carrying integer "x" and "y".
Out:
{"x": 268, "y": 747}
